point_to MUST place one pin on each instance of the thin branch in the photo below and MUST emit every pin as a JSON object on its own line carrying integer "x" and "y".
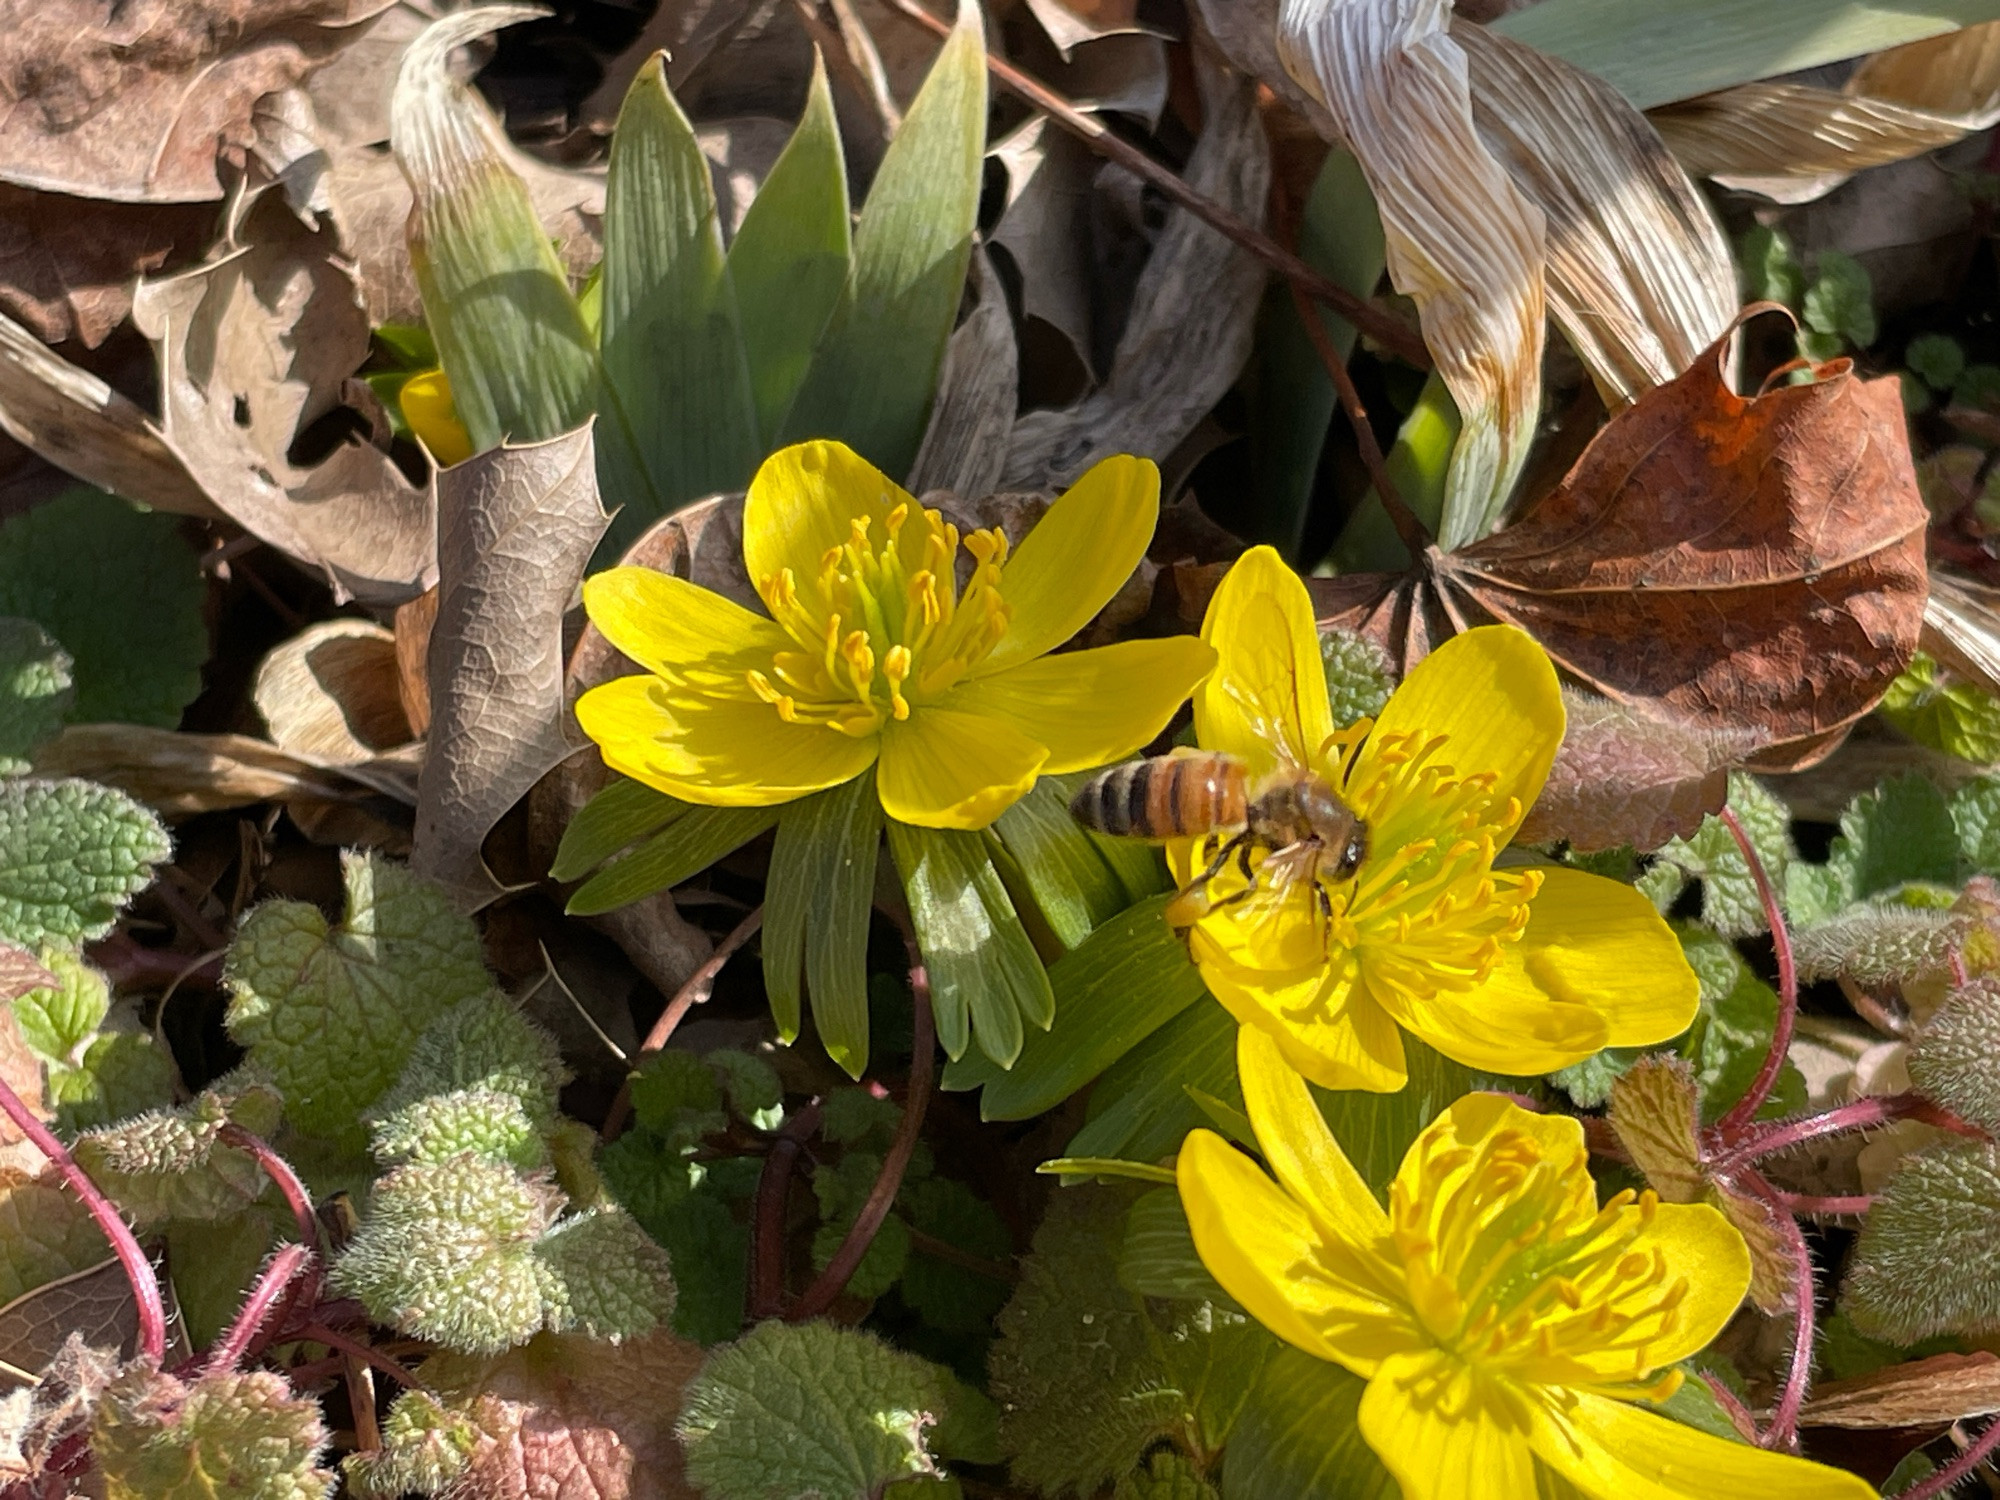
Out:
{"x": 1745, "y": 1109}
{"x": 1814, "y": 1205}
{"x": 297, "y": 1198}
{"x": 832, "y": 1281}
{"x": 138, "y": 1269}
{"x": 979, "y": 1265}
{"x": 700, "y": 985}
{"x": 1415, "y": 535}
{"x": 1942, "y": 1481}
{"x": 1391, "y": 332}
{"x": 319, "y": 1333}
{"x": 1858, "y": 1114}
{"x": 767, "y": 1220}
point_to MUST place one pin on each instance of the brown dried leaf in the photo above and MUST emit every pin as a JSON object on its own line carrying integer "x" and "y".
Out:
{"x": 1741, "y": 565}
{"x": 563, "y": 1416}
{"x": 179, "y": 775}
{"x": 143, "y": 101}
{"x": 1654, "y": 1112}
{"x": 1962, "y": 628}
{"x": 518, "y": 524}
{"x": 1918, "y": 1393}
{"x": 67, "y": 264}
{"x": 95, "y": 1305}
{"x": 21, "y": 971}
{"x": 1627, "y": 776}
{"x": 69, "y": 1386}
{"x": 1070, "y": 23}
{"x": 965, "y": 442}
{"x": 1771, "y": 1272}
{"x": 333, "y": 693}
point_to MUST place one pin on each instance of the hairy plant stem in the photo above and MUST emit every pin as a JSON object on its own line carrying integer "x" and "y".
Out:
{"x": 256, "y": 1312}
{"x": 766, "y": 1298}
{"x": 1388, "y": 330}
{"x": 1782, "y": 1434}
{"x": 1745, "y": 1109}
{"x": 138, "y": 1269}
{"x": 1944, "y": 1479}
{"x": 279, "y": 1171}
{"x": 1732, "y": 1406}
{"x": 1859, "y": 1114}
{"x": 1813, "y": 1205}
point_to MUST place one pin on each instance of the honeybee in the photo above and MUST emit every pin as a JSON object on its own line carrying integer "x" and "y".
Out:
{"x": 1292, "y": 813}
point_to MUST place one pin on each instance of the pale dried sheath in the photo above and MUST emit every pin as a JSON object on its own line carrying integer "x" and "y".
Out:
{"x": 1462, "y": 240}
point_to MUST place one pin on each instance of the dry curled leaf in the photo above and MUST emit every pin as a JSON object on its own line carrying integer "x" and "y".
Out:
{"x": 95, "y": 1305}
{"x": 517, "y": 525}
{"x": 1742, "y": 564}
{"x": 67, "y": 264}
{"x": 179, "y": 775}
{"x": 333, "y": 692}
{"x": 1917, "y": 1393}
{"x": 965, "y": 441}
{"x": 21, "y": 971}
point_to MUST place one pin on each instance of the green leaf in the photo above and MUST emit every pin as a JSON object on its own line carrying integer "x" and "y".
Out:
{"x": 1300, "y": 1435}
{"x": 875, "y": 370}
{"x": 1770, "y": 267}
{"x": 1106, "y": 1167}
{"x": 1694, "y": 1405}
{"x": 985, "y": 977}
{"x": 122, "y": 1072}
{"x": 1142, "y": 1107}
{"x": 620, "y": 815}
{"x": 214, "y": 1262}
{"x": 1937, "y": 359}
{"x": 881, "y": 1264}
{"x": 1951, "y": 1056}
{"x": 71, "y": 854}
{"x": 35, "y": 691}
{"x": 687, "y": 1208}
{"x": 1168, "y": 1475}
{"x": 425, "y": 1446}
{"x": 122, "y": 592}
{"x": 810, "y": 1408}
{"x": 165, "y": 1164}
{"x": 246, "y": 1436}
{"x": 1958, "y": 718}
{"x": 1064, "y": 868}
{"x": 816, "y": 904}
{"x": 1899, "y": 1287}
{"x": 1729, "y": 900}
{"x": 58, "y": 1022}
{"x": 492, "y": 1126}
{"x": 1126, "y": 980}
{"x": 488, "y": 1045}
{"x": 1975, "y": 814}
{"x": 1418, "y": 466}
{"x": 1158, "y": 1258}
{"x": 671, "y": 344}
{"x": 1657, "y": 54}
{"x": 1376, "y": 1130}
{"x": 693, "y": 841}
{"x": 1841, "y": 301}
{"x": 950, "y": 1297}
{"x": 1340, "y": 236}
{"x": 611, "y": 1281}
{"x": 1902, "y": 831}
{"x": 45, "y": 1234}
{"x": 790, "y": 259}
{"x": 1732, "y": 1030}
{"x": 330, "y": 1014}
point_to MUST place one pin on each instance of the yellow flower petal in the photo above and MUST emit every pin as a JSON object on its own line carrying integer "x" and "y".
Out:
{"x": 720, "y": 752}
{"x": 433, "y": 417}
{"x": 1446, "y": 1432}
{"x": 1601, "y": 943}
{"x": 1515, "y": 1030}
{"x": 1473, "y": 1117}
{"x": 1299, "y": 1147}
{"x": 1269, "y": 678}
{"x": 1612, "y": 1450}
{"x": 1705, "y": 1248}
{"x": 943, "y": 769}
{"x": 1076, "y": 557}
{"x": 668, "y": 625}
{"x": 1088, "y": 708}
{"x": 1328, "y": 1030}
{"x": 1267, "y": 1254}
{"x": 1493, "y": 694}
{"x": 802, "y": 504}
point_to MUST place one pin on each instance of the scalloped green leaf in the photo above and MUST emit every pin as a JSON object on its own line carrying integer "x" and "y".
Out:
{"x": 71, "y": 854}
{"x": 36, "y": 686}
{"x": 1902, "y": 831}
{"x": 246, "y": 1436}
{"x": 1729, "y": 899}
{"x": 610, "y": 1281}
{"x": 1898, "y": 1286}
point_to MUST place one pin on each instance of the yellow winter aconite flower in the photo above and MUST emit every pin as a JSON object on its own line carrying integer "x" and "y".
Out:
{"x": 875, "y": 653}
{"x": 1515, "y": 971}
{"x": 1502, "y": 1319}
{"x": 427, "y": 407}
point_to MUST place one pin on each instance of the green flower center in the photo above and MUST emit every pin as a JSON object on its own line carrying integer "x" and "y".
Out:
{"x": 883, "y": 627}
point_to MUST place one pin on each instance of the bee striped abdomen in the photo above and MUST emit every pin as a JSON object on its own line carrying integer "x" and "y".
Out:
{"x": 1167, "y": 796}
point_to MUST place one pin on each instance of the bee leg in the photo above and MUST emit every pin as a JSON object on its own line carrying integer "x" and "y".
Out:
{"x": 1193, "y": 903}
{"x": 1239, "y": 845}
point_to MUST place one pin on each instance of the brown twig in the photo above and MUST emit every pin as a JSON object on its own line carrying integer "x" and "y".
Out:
{"x": 1415, "y": 535}
{"x": 319, "y": 1333}
{"x": 700, "y": 985}
{"x": 767, "y": 1221}
{"x": 832, "y": 1281}
{"x": 1391, "y": 332}
{"x": 979, "y": 1265}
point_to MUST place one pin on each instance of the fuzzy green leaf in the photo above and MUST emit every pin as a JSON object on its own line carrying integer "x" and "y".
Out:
{"x": 425, "y": 1446}
{"x": 790, "y": 259}
{"x": 687, "y": 1208}
{"x": 492, "y": 1126}
{"x": 1168, "y": 1475}
{"x": 122, "y": 592}
{"x": 670, "y": 1086}
{"x": 1877, "y": 943}
{"x": 1902, "y": 831}
{"x": 244, "y": 1436}
{"x": 1300, "y": 1435}
{"x": 484, "y": 1044}
{"x": 59, "y": 1022}
{"x": 1158, "y": 1258}
{"x": 1841, "y": 301}
{"x": 167, "y": 1163}
{"x": 693, "y": 840}
{"x": 331, "y": 1014}
{"x": 1729, "y": 899}
{"x": 1975, "y": 813}
{"x": 1958, "y": 718}
{"x": 1952, "y": 1057}
{"x": 215, "y": 1261}
{"x": 71, "y": 854}
{"x": 123, "y": 1072}
{"x": 1899, "y": 1287}
{"x": 1732, "y": 1030}
{"x": 1937, "y": 358}
{"x": 801, "y": 1409}
{"x": 951, "y": 1297}
{"x": 875, "y": 369}
{"x": 1770, "y": 268}
{"x": 985, "y": 977}
{"x": 45, "y": 1233}
{"x": 610, "y": 1280}
{"x": 882, "y": 1264}
{"x": 35, "y": 691}
{"x": 816, "y": 916}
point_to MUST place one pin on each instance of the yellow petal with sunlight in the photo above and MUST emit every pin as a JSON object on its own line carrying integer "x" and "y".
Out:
{"x": 1076, "y": 558}
{"x": 433, "y": 416}
{"x": 668, "y": 625}
{"x": 1300, "y": 1148}
{"x": 1089, "y": 708}
{"x": 1338, "y": 1038}
{"x": 719, "y": 752}
{"x": 942, "y": 769}
{"x": 1266, "y": 1252}
{"x": 1473, "y": 1117}
{"x": 802, "y": 504}
{"x": 1269, "y": 679}
{"x": 1705, "y": 1249}
{"x": 1494, "y": 696}
{"x": 1446, "y": 1432}
{"x": 1518, "y": 1031}
{"x": 1599, "y": 943}
{"x": 1612, "y": 1450}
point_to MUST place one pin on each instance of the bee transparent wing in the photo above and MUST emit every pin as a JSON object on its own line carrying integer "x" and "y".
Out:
{"x": 1282, "y": 889}
{"x": 1267, "y": 729}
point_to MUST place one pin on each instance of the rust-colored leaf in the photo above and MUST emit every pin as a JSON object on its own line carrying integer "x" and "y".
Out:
{"x": 1919, "y": 1393}
{"x": 1737, "y": 563}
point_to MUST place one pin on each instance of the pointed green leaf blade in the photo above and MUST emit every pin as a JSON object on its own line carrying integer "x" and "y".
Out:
{"x": 686, "y": 847}
{"x": 816, "y": 916}
{"x": 1300, "y": 1434}
{"x": 1063, "y": 868}
{"x": 1142, "y": 1107}
{"x": 623, "y": 812}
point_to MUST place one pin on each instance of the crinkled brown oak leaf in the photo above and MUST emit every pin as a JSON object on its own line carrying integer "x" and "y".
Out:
{"x": 1736, "y": 562}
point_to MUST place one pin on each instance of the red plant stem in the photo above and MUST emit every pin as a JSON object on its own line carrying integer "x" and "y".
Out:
{"x": 319, "y": 1333}
{"x": 1745, "y": 1109}
{"x": 1875, "y": 1109}
{"x": 767, "y": 1219}
{"x": 1391, "y": 332}
{"x": 279, "y": 1171}
{"x": 1942, "y": 1480}
{"x": 832, "y": 1281}
{"x": 1814, "y": 1205}
{"x": 257, "y": 1308}
{"x": 1732, "y": 1406}
{"x": 138, "y": 1269}
{"x": 700, "y": 985}
{"x": 1782, "y": 1434}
